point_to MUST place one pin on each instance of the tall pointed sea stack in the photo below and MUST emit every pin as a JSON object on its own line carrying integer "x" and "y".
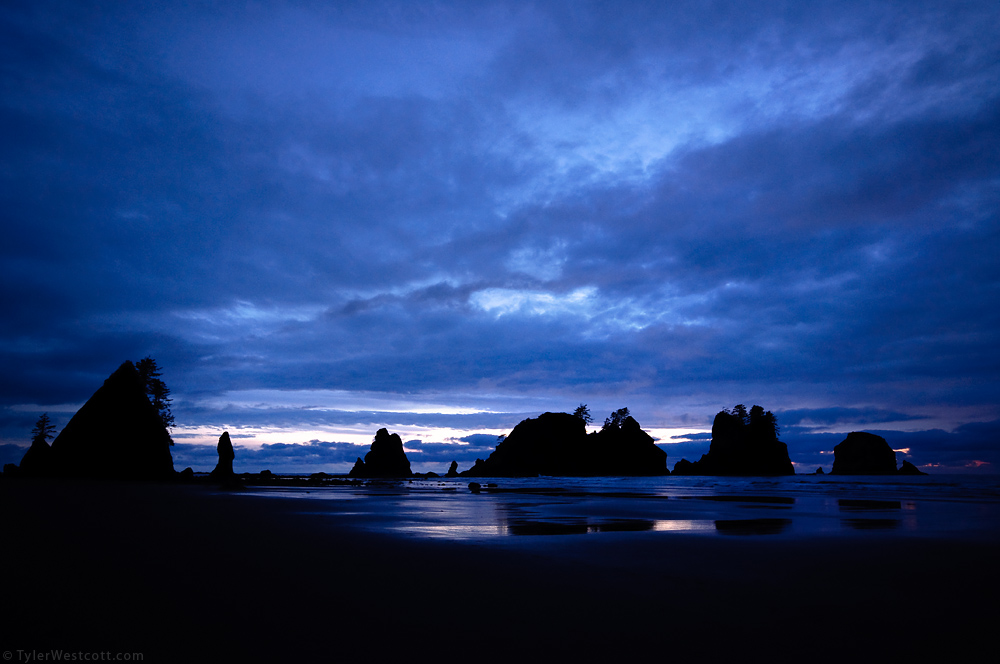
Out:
{"x": 118, "y": 434}
{"x": 224, "y": 468}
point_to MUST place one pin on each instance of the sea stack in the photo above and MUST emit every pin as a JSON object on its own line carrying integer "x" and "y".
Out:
{"x": 224, "y": 468}
{"x": 907, "y": 468}
{"x": 623, "y": 448}
{"x": 117, "y": 434}
{"x": 386, "y": 458}
{"x": 863, "y": 453}
{"x": 742, "y": 444}
{"x": 558, "y": 444}
{"x": 544, "y": 445}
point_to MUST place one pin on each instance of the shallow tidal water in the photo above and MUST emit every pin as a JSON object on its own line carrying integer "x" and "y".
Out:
{"x": 957, "y": 506}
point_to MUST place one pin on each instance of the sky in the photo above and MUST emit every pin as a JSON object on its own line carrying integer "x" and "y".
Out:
{"x": 441, "y": 218}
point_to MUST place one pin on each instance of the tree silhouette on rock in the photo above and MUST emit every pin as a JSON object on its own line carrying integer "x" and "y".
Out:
{"x": 743, "y": 443}
{"x": 117, "y": 434}
{"x": 156, "y": 390}
{"x": 558, "y": 444}
{"x": 35, "y": 461}
{"x": 44, "y": 429}
{"x": 616, "y": 419}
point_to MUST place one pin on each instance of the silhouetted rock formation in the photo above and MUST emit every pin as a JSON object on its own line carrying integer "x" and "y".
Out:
{"x": 624, "y": 450}
{"x": 386, "y": 458}
{"x": 224, "y": 468}
{"x": 558, "y": 444}
{"x": 908, "y": 468}
{"x": 117, "y": 434}
{"x": 453, "y": 470}
{"x": 863, "y": 453}
{"x": 36, "y": 462}
{"x": 742, "y": 444}
{"x": 684, "y": 467}
{"x": 537, "y": 446}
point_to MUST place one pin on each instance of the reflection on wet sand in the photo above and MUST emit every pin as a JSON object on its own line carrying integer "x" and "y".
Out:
{"x": 849, "y": 505}
{"x": 768, "y": 500}
{"x": 638, "y": 507}
{"x": 536, "y": 527}
{"x": 583, "y": 527}
{"x": 872, "y": 524}
{"x": 752, "y": 526}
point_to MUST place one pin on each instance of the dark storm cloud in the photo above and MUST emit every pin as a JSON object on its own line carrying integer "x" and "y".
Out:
{"x": 693, "y": 436}
{"x": 827, "y": 416}
{"x": 479, "y": 440}
{"x": 676, "y": 206}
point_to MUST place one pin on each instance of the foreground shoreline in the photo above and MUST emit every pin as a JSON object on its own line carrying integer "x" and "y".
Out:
{"x": 190, "y": 572}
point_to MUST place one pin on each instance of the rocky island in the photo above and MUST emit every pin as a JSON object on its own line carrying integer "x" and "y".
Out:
{"x": 558, "y": 444}
{"x": 743, "y": 443}
{"x": 385, "y": 459}
{"x": 117, "y": 434}
{"x": 863, "y": 453}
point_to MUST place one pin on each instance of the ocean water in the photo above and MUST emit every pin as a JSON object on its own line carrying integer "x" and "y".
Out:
{"x": 957, "y": 506}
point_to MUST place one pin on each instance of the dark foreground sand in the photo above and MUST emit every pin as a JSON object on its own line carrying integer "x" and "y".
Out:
{"x": 182, "y": 573}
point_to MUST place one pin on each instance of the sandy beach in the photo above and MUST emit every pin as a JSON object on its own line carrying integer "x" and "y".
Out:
{"x": 191, "y": 573}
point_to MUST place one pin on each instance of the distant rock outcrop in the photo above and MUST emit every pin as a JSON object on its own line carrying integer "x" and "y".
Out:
{"x": 863, "y": 453}
{"x": 558, "y": 444}
{"x": 742, "y": 444}
{"x": 117, "y": 434}
{"x": 453, "y": 470}
{"x": 684, "y": 467}
{"x": 908, "y": 468}
{"x": 224, "y": 468}
{"x": 386, "y": 458}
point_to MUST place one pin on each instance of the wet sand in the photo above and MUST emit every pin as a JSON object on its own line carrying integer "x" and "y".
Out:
{"x": 185, "y": 573}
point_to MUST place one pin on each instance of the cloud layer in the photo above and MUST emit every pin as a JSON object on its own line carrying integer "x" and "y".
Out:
{"x": 503, "y": 209}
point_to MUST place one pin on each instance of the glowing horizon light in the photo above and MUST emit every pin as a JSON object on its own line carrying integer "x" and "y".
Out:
{"x": 359, "y": 434}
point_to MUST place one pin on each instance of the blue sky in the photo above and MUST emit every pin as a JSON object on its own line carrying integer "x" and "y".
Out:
{"x": 441, "y": 218}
